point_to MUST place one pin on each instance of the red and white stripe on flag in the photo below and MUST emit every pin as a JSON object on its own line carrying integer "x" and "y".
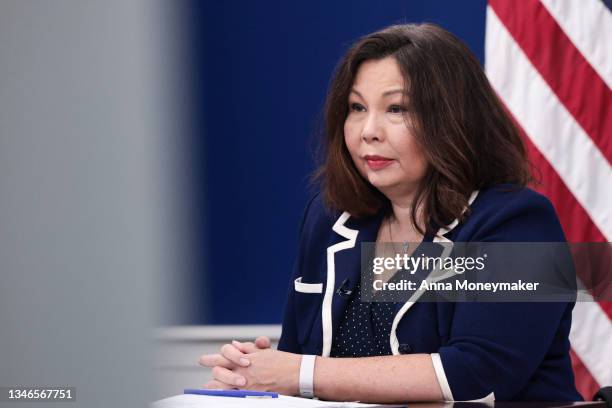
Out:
{"x": 550, "y": 63}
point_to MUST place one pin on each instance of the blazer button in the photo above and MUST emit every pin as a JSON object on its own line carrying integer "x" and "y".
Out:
{"x": 405, "y": 348}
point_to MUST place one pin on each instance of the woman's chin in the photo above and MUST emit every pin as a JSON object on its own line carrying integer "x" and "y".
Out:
{"x": 382, "y": 183}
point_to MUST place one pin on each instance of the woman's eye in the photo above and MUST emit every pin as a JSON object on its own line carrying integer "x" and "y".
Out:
{"x": 397, "y": 109}
{"x": 356, "y": 107}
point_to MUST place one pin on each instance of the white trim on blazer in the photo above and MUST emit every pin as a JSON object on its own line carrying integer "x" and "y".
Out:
{"x": 326, "y": 309}
{"x": 434, "y": 276}
{"x": 307, "y": 287}
{"x": 351, "y": 236}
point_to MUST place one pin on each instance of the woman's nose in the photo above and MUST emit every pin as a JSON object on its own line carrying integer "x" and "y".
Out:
{"x": 372, "y": 130}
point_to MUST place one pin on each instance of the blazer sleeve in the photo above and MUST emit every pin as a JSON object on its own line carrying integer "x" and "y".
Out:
{"x": 288, "y": 341}
{"x": 494, "y": 348}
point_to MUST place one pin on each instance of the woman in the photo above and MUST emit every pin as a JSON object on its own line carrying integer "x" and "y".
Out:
{"x": 418, "y": 149}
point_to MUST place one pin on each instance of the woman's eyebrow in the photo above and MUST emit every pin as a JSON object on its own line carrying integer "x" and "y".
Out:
{"x": 386, "y": 93}
{"x": 393, "y": 91}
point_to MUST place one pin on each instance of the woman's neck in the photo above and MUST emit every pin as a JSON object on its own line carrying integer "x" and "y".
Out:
{"x": 400, "y": 220}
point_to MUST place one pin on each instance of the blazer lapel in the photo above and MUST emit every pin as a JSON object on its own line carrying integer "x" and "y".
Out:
{"x": 344, "y": 270}
{"x": 446, "y": 247}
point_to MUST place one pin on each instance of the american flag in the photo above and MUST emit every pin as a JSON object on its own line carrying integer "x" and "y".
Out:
{"x": 550, "y": 63}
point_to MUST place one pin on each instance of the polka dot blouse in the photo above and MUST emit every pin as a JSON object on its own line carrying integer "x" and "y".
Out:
{"x": 365, "y": 328}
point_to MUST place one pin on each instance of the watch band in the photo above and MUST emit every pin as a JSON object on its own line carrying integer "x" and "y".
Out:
{"x": 307, "y": 376}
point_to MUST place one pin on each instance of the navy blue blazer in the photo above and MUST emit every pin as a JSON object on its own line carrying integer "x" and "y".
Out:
{"x": 500, "y": 351}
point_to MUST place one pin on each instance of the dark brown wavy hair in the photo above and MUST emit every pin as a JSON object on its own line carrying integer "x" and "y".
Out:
{"x": 468, "y": 139}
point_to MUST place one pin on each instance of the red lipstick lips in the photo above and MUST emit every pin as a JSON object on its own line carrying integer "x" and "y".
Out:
{"x": 377, "y": 162}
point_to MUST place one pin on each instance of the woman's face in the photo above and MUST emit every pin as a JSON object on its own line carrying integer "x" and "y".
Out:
{"x": 382, "y": 146}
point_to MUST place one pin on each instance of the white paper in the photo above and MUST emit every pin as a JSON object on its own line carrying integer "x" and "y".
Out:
{"x": 205, "y": 401}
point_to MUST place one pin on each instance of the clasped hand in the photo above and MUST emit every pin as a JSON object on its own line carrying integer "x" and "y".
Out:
{"x": 253, "y": 366}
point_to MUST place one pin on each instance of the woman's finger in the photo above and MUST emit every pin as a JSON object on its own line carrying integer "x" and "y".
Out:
{"x": 217, "y": 385}
{"x": 246, "y": 347}
{"x": 263, "y": 342}
{"x": 233, "y": 354}
{"x": 211, "y": 360}
{"x": 228, "y": 377}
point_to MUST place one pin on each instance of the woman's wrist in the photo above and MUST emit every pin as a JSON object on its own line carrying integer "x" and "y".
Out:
{"x": 294, "y": 383}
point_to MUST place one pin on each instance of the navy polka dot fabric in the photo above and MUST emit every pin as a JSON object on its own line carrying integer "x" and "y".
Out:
{"x": 365, "y": 328}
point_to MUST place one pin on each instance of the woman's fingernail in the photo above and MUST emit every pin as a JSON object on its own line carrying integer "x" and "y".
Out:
{"x": 235, "y": 343}
{"x": 244, "y": 362}
{"x": 241, "y": 381}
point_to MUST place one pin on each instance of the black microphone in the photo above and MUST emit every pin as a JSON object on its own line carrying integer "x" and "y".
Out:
{"x": 344, "y": 290}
